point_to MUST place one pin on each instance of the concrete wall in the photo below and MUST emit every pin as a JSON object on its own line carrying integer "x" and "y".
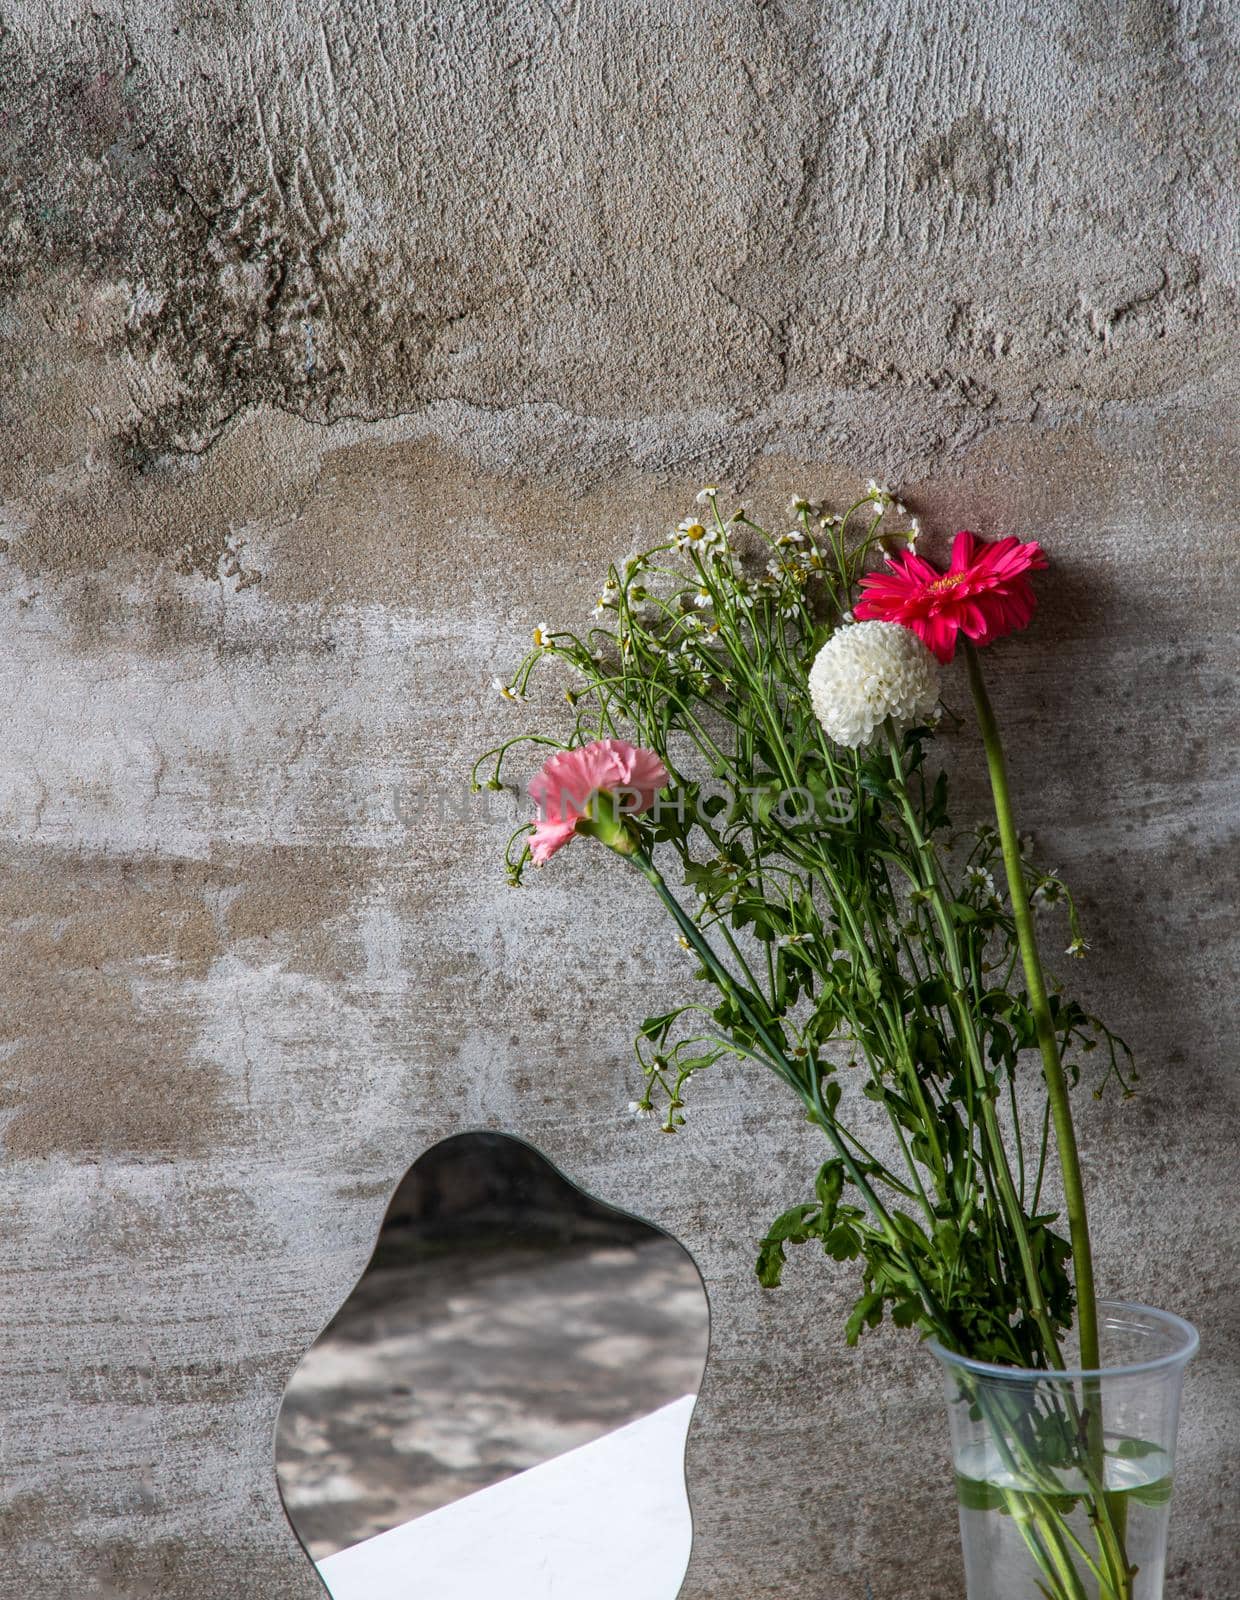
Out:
{"x": 343, "y": 343}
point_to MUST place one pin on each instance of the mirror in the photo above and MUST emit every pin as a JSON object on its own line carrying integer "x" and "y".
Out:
{"x": 501, "y": 1405}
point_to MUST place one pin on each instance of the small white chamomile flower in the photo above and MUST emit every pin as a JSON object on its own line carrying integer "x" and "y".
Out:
{"x": 542, "y": 637}
{"x": 507, "y": 691}
{"x": 1078, "y": 947}
{"x": 980, "y": 878}
{"x": 706, "y": 495}
{"x": 702, "y": 599}
{"x": 693, "y": 535}
{"x": 1048, "y": 893}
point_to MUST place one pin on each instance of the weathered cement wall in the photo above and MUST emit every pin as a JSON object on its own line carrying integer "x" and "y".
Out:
{"x": 342, "y": 344}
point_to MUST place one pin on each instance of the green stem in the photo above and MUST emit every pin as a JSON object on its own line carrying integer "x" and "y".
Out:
{"x": 971, "y": 1044}
{"x": 1110, "y": 1537}
{"x": 808, "y": 1091}
{"x": 1048, "y": 1042}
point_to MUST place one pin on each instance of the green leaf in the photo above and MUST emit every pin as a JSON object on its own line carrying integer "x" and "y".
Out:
{"x": 974, "y": 1494}
{"x": 1157, "y": 1493}
{"x": 843, "y": 1243}
{"x": 936, "y": 811}
{"x": 829, "y": 1184}
{"x": 867, "y": 1313}
{"x": 792, "y": 1224}
{"x": 656, "y": 1027}
{"x": 1133, "y": 1449}
{"x": 910, "y": 1231}
{"x": 770, "y": 1264}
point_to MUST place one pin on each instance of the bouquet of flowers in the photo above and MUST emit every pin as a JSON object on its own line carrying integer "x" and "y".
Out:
{"x": 752, "y": 724}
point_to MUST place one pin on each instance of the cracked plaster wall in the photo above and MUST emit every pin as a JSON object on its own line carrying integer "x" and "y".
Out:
{"x": 339, "y": 345}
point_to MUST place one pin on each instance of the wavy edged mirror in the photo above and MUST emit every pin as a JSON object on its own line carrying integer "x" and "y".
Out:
{"x": 501, "y": 1405}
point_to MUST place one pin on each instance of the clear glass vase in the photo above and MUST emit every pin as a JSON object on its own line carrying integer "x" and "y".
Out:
{"x": 1064, "y": 1478}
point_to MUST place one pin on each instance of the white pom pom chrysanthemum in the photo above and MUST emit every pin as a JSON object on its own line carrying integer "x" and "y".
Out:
{"x": 867, "y": 672}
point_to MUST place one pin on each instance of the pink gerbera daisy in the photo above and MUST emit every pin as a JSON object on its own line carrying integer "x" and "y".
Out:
{"x": 567, "y": 789}
{"x": 984, "y": 594}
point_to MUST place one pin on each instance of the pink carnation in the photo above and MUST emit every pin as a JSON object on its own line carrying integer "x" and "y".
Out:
{"x": 566, "y": 786}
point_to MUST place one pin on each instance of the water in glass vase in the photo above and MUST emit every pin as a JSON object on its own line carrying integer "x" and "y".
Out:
{"x": 1064, "y": 1476}
{"x": 1027, "y": 1528}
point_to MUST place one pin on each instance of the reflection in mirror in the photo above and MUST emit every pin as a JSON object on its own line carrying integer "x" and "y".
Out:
{"x": 500, "y": 1406}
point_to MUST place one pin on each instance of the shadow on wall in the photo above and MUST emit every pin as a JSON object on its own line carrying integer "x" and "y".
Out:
{"x": 504, "y": 1318}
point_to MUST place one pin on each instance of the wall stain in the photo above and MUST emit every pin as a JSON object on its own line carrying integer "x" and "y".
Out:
{"x": 102, "y": 1056}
